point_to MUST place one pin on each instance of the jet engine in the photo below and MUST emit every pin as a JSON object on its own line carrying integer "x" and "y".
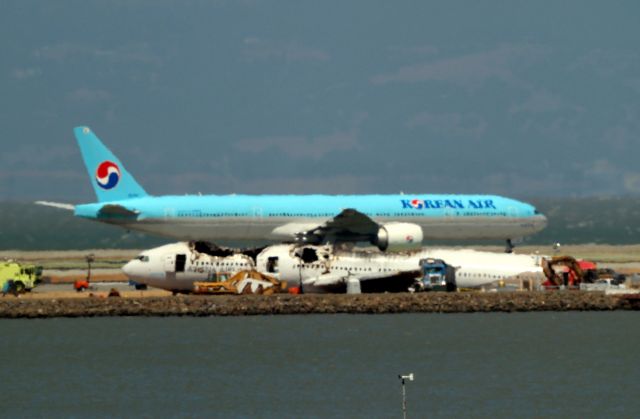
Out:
{"x": 396, "y": 237}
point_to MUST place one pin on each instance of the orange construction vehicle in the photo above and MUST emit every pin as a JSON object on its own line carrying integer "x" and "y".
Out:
{"x": 83, "y": 284}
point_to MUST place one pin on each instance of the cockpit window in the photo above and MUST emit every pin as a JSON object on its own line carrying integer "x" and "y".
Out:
{"x": 143, "y": 258}
{"x": 536, "y": 212}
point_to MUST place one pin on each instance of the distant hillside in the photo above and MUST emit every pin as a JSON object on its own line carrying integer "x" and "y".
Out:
{"x": 26, "y": 226}
{"x": 589, "y": 220}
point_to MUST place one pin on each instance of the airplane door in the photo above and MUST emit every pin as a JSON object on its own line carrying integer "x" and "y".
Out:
{"x": 169, "y": 264}
{"x": 169, "y": 213}
{"x": 272, "y": 265}
{"x": 181, "y": 261}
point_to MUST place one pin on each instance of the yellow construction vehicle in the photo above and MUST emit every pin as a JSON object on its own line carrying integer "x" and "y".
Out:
{"x": 244, "y": 282}
{"x": 17, "y": 278}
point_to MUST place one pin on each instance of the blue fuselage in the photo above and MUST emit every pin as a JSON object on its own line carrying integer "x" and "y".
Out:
{"x": 221, "y": 217}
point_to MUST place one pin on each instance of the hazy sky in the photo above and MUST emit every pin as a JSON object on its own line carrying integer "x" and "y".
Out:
{"x": 527, "y": 99}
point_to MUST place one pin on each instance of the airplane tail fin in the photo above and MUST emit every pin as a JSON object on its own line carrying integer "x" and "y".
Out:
{"x": 109, "y": 178}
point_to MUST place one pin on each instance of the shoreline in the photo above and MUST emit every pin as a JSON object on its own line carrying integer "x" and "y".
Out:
{"x": 279, "y": 304}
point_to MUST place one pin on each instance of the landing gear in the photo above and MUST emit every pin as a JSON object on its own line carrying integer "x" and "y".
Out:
{"x": 509, "y": 248}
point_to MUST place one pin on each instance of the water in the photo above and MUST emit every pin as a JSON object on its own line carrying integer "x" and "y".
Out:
{"x": 467, "y": 365}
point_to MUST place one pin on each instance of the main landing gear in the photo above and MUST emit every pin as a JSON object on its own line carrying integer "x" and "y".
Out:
{"x": 509, "y": 248}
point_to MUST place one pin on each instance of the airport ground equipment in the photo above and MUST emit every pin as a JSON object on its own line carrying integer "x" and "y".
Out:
{"x": 83, "y": 284}
{"x": 436, "y": 276}
{"x": 137, "y": 285}
{"x": 568, "y": 272}
{"x": 80, "y": 285}
{"x": 562, "y": 271}
{"x": 614, "y": 277}
{"x": 604, "y": 284}
{"x": 17, "y": 278}
{"x": 244, "y": 282}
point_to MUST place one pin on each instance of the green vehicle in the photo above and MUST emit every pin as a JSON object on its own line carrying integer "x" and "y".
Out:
{"x": 17, "y": 278}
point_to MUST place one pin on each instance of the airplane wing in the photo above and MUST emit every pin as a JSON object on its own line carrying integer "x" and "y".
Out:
{"x": 349, "y": 225}
{"x": 59, "y": 205}
{"x": 351, "y": 222}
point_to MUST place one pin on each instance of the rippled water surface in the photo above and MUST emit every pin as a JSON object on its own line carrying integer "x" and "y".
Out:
{"x": 466, "y": 365}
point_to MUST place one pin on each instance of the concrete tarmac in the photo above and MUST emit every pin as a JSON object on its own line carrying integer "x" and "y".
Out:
{"x": 96, "y": 289}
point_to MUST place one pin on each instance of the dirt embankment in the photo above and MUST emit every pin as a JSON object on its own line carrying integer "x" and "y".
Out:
{"x": 11, "y": 307}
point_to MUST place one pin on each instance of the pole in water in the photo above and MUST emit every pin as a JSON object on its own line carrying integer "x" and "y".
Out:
{"x": 404, "y": 394}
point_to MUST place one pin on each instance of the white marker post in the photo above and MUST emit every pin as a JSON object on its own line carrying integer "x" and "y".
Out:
{"x": 404, "y": 396}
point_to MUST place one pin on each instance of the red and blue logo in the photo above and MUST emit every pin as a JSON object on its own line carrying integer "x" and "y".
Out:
{"x": 107, "y": 175}
{"x": 417, "y": 203}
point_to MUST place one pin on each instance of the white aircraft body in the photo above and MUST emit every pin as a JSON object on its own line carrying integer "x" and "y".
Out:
{"x": 177, "y": 266}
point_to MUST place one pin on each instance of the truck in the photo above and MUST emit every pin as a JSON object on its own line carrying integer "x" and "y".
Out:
{"x": 436, "y": 275}
{"x": 603, "y": 284}
{"x": 17, "y": 278}
{"x": 570, "y": 273}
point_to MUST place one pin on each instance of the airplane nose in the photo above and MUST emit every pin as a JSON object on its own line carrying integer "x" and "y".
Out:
{"x": 129, "y": 269}
{"x": 542, "y": 222}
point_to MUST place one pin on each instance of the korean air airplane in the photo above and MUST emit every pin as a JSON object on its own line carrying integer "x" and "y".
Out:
{"x": 390, "y": 222}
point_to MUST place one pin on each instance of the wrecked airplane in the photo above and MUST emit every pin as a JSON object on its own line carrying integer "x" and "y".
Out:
{"x": 176, "y": 267}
